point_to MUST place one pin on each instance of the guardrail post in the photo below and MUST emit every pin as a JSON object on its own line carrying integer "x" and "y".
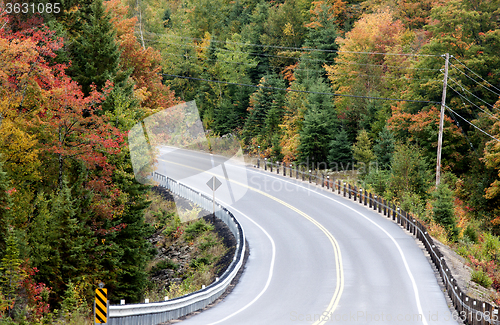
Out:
{"x": 322, "y": 180}
{"x": 278, "y": 167}
{"x": 284, "y": 169}
{"x": 349, "y": 191}
{"x": 258, "y": 162}
{"x": 370, "y": 199}
{"x": 309, "y": 176}
{"x": 355, "y": 193}
{"x": 365, "y": 195}
{"x": 380, "y": 204}
{"x": 265, "y": 163}
{"x": 385, "y": 207}
{"x": 398, "y": 215}
{"x": 393, "y": 211}
{"x": 297, "y": 172}
{"x": 271, "y": 167}
{"x": 375, "y": 202}
{"x": 327, "y": 182}
{"x": 344, "y": 189}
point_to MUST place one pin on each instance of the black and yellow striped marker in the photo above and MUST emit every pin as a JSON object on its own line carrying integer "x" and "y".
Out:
{"x": 101, "y": 306}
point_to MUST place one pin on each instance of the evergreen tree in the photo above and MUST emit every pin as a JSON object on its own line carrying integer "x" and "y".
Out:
{"x": 265, "y": 111}
{"x": 5, "y": 206}
{"x": 319, "y": 122}
{"x": 340, "y": 153}
{"x": 129, "y": 269}
{"x": 443, "y": 210}
{"x": 384, "y": 148}
{"x": 362, "y": 152}
{"x": 11, "y": 273}
{"x": 95, "y": 54}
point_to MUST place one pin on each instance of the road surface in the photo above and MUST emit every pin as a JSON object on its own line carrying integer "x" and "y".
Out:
{"x": 315, "y": 257}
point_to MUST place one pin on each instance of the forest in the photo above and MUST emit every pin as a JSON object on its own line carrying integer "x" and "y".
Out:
{"x": 351, "y": 87}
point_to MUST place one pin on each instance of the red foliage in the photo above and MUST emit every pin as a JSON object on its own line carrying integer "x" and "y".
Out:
{"x": 35, "y": 292}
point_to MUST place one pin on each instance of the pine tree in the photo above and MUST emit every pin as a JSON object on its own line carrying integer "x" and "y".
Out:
{"x": 319, "y": 123}
{"x": 340, "y": 153}
{"x": 5, "y": 206}
{"x": 95, "y": 54}
{"x": 265, "y": 111}
{"x": 362, "y": 152}
{"x": 443, "y": 210}
{"x": 135, "y": 250}
{"x": 11, "y": 273}
{"x": 384, "y": 148}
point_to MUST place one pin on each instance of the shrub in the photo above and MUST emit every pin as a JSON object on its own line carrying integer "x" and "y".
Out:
{"x": 481, "y": 278}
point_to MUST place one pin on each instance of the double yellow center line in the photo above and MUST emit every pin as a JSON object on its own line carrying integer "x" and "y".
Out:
{"x": 337, "y": 254}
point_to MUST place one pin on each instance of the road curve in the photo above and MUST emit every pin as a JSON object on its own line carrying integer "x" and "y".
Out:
{"x": 315, "y": 257}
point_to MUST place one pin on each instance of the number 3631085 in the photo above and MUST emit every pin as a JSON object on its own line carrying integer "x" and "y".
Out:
{"x": 33, "y": 8}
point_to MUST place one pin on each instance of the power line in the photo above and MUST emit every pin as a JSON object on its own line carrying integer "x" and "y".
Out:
{"x": 462, "y": 96}
{"x": 296, "y": 59}
{"x": 480, "y": 84}
{"x": 477, "y": 128}
{"x": 474, "y": 73}
{"x": 471, "y": 93}
{"x": 454, "y": 118}
{"x": 298, "y": 48}
{"x": 301, "y": 91}
{"x": 296, "y": 69}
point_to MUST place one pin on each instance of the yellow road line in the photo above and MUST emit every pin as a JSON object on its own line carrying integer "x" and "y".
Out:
{"x": 336, "y": 249}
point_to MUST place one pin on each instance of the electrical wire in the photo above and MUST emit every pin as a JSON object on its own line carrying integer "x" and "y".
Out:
{"x": 298, "y": 48}
{"x": 296, "y": 59}
{"x": 480, "y": 84}
{"x": 476, "y": 127}
{"x": 302, "y": 91}
{"x": 297, "y": 69}
{"x": 463, "y": 97}
{"x": 469, "y": 92}
{"x": 474, "y": 73}
{"x": 454, "y": 118}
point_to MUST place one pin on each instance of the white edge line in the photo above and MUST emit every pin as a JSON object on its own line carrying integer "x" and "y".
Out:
{"x": 410, "y": 274}
{"x": 271, "y": 269}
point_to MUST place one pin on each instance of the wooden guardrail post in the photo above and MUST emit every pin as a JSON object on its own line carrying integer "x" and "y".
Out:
{"x": 327, "y": 182}
{"x": 349, "y": 186}
{"x": 355, "y": 193}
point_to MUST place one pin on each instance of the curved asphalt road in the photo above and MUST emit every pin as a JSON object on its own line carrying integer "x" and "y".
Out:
{"x": 315, "y": 257}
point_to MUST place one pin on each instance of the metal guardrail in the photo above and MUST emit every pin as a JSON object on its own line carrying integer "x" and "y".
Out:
{"x": 469, "y": 310}
{"x": 158, "y": 312}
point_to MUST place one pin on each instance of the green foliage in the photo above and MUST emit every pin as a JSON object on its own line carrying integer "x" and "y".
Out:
{"x": 95, "y": 54}
{"x": 481, "y": 278}
{"x": 470, "y": 234}
{"x": 196, "y": 228}
{"x": 384, "y": 148}
{"x": 362, "y": 152}
{"x": 443, "y": 211}
{"x": 163, "y": 265}
{"x": 11, "y": 274}
{"x": 5, "y": 206}
{"x": 340, "y": 153}
{"x": 409, "y": 172}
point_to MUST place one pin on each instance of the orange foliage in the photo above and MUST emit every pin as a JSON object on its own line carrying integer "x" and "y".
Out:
{"x": 145, "y": 62}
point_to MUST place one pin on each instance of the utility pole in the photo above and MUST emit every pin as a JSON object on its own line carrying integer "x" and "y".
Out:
{"x": 441, "y": 120}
